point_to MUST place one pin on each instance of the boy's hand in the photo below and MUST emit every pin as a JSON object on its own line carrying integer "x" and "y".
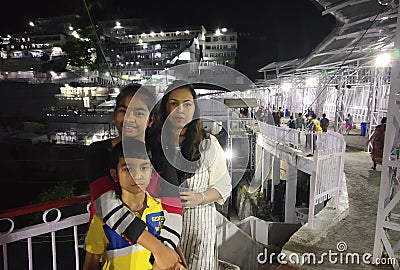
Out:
{"x": 183, "y": 260}
{"x": 166, "y": 259}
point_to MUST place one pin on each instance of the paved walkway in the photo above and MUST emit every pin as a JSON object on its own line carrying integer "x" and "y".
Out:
{"x": 357, "y": 230}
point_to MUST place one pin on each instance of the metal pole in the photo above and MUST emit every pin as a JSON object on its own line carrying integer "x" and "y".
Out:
{"x": 390, "y": 162}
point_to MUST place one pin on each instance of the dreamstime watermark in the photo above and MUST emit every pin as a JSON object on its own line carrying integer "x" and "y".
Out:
{"x": 339, "y": 256}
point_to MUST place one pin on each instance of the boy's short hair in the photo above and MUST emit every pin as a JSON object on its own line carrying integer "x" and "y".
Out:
{"x": 129, "y": 148}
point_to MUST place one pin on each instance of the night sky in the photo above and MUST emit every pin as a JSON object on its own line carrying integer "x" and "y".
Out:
{"x": 271, "y": 30}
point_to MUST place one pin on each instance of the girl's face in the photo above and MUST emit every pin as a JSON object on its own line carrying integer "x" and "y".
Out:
{"x": 180, "y": 107}
{"x": 132, "y": 117}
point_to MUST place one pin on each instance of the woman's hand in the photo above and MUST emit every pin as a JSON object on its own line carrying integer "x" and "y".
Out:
{"x": 191, "y": 199}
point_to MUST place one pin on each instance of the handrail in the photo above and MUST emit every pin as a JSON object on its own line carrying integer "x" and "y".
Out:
{"x": 43, "y": 206}
{"x": 52, "y": 226}
{"x": 328, "y": 149}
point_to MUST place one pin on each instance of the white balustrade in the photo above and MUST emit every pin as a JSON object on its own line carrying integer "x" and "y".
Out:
{"x": 327, "y": 148}
{"x": 12, "y": 235}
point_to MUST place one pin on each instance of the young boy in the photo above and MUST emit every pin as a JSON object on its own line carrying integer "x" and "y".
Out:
{"x": 131, "y": 169}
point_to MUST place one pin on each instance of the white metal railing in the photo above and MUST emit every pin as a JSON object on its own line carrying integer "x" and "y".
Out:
{"x": 327, "y": 173}
{"x": 241, "y": 125}
{"x": 14, "y": 236}
{"x": 328, "y": 149}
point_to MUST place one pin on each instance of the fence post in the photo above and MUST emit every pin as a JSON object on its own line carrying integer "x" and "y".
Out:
{"x": 290, "y": 198}
{"x": 313, "y": 186}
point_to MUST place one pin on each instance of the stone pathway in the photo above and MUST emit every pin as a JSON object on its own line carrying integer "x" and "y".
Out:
{"x": 357, "y": 230}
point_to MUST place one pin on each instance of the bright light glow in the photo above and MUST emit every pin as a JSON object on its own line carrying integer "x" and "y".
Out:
{"x": 162, "y": 33}
{"x": 56, "y": 51}
{"x": 117, "y": 25}
{"x": 312, "y": 82}
{"x": 140, "y": 40}
{"x": 217, "y": 32}
{"x": 75, "y": 34}
{"x": 70, "y": 28}
{"x": 31, "y": 24}
{"x": 224, "y": 30}
{"x": 185, "y": 56}
{"x": 383, "y": 60}
{"x": 286, "y": 86}
{"x": 228, "y": 154}
{"x": 53, "y": 74}
{"x": 187, "y": 32}
{"x": 152, "y": 34}
{"x": 177, "y": 32}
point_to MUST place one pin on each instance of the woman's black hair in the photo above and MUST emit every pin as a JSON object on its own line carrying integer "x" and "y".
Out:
{"x": 195, "y": 133}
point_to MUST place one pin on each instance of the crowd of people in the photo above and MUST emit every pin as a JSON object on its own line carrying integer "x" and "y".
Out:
{"x": 154, "y": 186}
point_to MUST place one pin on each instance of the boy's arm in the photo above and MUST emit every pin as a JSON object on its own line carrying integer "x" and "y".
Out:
{"x": 110, "y": 209}
{"x": 180, "y": 253}
{"x": 91, "y": 261}
{"x": 171, "y": 231}
{"x": 165, "y": 257}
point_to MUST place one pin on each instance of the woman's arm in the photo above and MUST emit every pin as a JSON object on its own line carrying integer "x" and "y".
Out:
{"x": 220, "y": 180}
{"x": 220, "y": 186}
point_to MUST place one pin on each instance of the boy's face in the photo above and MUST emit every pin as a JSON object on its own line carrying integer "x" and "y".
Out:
{"x": 132, "y": 117}
{"x": 133, "y": 174}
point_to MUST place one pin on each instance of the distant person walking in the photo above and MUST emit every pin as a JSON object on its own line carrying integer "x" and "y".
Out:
{"x": 324, "y": 123}
{"x": 348, "y": 123}
{"x": 291, "y": 123}
{"x": 378, "y": 140}
{"x": 300, "y": 122}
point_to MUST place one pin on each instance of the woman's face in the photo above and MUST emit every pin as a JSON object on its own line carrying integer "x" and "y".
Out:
{"x": 132, "y": 117}
{"x": 180, "y": 107}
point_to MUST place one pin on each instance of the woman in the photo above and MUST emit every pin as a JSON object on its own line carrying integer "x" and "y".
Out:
{"x": 348, "y": 123}
{"x": 378, "y": 141}
{"x": 131, "y": 117}
{"x": 197, "y": 163}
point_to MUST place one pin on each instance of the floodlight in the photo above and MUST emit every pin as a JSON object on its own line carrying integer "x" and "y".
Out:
{"x": 312, "y": 82}
{"x": 286, "y": 86}
{"x": 228, "y": 154}
{"x": 382, "y": 60}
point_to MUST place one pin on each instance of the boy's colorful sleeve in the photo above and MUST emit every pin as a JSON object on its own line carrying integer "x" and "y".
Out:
{"x": 117, "y": 217}
{"x": 96, "y": 241}
{"x": 172, "y": 228}
{"x": 171, "y": 203}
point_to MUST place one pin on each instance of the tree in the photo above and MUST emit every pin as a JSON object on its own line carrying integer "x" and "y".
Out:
{"x": 81, "y": 50}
